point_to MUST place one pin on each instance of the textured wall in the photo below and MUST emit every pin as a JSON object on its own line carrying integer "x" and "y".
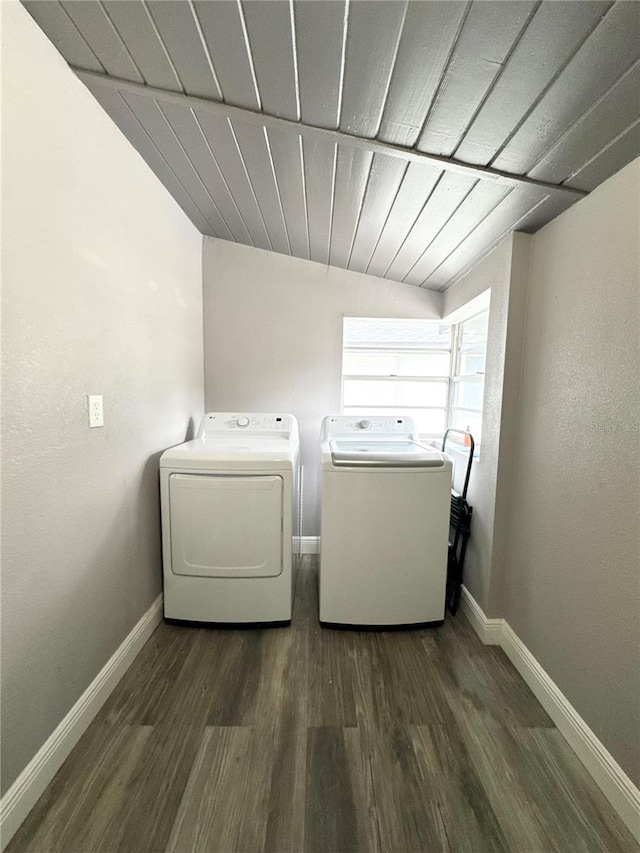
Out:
{"x": 574, "y": 565}
{"x": 101, "y": 294}
{"x": 273, "y": 337}
{"x": 505, "y": 273}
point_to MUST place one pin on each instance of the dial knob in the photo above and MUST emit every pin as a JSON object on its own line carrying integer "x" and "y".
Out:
{"x": 243, "y": 422}
{"x": 365, "y": 424}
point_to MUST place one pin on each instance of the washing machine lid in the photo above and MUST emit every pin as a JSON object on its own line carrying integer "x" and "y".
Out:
{"x": 381, "y": 454}
{"x": 233, "y": 453}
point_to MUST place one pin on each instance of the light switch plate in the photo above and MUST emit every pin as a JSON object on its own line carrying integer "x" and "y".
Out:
{"x": 96, "y": 414}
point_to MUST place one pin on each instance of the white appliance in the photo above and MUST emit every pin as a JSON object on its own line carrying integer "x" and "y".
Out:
{"x": 230, "y": 520}
{"x": 384, "y": 523}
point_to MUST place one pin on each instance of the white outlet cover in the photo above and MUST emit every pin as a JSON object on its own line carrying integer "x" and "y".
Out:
{"x": 96, "y": 413}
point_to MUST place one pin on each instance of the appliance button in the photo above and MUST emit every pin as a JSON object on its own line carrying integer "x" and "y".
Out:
{"x": 364, "y": 424}
{"x": 243, "y": 422}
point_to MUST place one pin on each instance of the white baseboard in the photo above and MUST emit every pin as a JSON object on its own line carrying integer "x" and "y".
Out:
{"x": 309, "y": 544}
{"x": 606, "y": 772}
{"x": 614, "y": 783}
{"x": 489, "y": 630}
{"x": 31, "y": 783}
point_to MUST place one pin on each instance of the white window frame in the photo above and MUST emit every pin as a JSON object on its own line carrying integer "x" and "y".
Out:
{"x": 460, "y": 377}
{"x": 453, "y": 377}
{"x": 399, "y": 350}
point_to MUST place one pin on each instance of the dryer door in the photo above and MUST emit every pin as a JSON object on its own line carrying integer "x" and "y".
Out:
{"x": 226, "y": 526}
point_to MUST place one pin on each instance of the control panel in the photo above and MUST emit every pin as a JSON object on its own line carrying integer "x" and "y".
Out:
{"x": 228, "y": 422}
{"x": 379, "y": 425}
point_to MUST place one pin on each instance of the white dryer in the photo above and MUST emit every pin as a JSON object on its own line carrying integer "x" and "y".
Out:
{"x": 384, "y": 523}
{"x": 230, "y": 520}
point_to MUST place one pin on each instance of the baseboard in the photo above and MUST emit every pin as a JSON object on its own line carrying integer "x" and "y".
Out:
{"x": 614, "y": 783}
{"x": 606, "y": 772}
{"x": 31, "y": 783}
{"x": 489, "y": 630}
{"x": 309, "y": 544}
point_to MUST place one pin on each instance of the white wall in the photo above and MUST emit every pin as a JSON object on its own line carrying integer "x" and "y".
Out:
{"x": 273, "y": 337}
{"x": 573, "y": 581}
{"x": 504, "y": 272}
{"x": 101, "y": 294}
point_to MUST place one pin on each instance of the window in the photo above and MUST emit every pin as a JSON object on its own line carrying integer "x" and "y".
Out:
{"x": 430, "y": 371}
{"x": 399, "y": 366}
{"x": 467, "y": 380}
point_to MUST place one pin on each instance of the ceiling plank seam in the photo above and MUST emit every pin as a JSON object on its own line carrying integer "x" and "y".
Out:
{"x": 359, "y": 217}
{"x": 445, "y": 72}
{"x": 205, "y": 47}
{"x": 440, "y": 230}
{"x": 343, "y": 60}
{"x": 222, "y": 177}
{"x": 305, "y": 198}
{"x": 157, "y": 34}
{"x": 497, "y": 77}
{"x": 604, "y": 149}
{"x": 603, "y": 97}
{"x": 250, "y": 182}
{"x": 274, "y": 174}
{"x": 541, "y": 96}
{"x": 77, "y": 29}
{"x": 413, "y": 224}
{"x": 465, "y": 237}
{"x": 477, "y": 258}
{"x": 386, "y": 219}
{"x": 168, "y": 165}
{"x": 199, "y": 177}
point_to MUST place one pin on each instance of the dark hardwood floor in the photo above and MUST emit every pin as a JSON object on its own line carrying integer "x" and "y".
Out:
{"x": 313, "y": 740}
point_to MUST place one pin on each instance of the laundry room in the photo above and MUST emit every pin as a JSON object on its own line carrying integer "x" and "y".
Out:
{"x": 320, "y": 426}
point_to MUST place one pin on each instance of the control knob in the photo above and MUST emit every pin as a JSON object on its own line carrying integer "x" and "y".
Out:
{"x": 243, "y": 422}
{"x": 364, "y": 424}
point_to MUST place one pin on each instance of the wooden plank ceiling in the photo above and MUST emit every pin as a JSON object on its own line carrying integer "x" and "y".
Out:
{"x": 402, "y": 139}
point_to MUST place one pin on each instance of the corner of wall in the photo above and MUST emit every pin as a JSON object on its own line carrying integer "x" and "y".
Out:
{"x": 515, "y": 331}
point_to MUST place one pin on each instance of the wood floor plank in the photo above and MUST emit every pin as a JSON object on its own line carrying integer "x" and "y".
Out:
{"x": 78, "y": 813}
{"x": 156, "y": 789}
{"x": 309, "y": 739}
{"x": 332, "y": 670}
{"x": 211, "y": 809}
{"x": 408, "y": 817}
{"x": 331, "y": 818}
{"x": 568, "y": 817}
{"x": 484, "y": 676}
{"x": 286, "y": 808}
{"x": 561, "y": 764}
{"x": 449, "y": 777}
{"x": 140, "y": 695}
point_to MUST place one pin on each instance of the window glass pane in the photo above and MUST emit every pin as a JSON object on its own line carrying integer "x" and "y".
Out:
{"x": 469, "y": 421}
{"x": 422, "y": 393}
{"x": 427, "y": 421}
{"x": 396, "y": 333}
{"x": 400, "y": 364}
{"x": 424, "y": 364}
{"x": 468, "y": 393}
{"x": 365, "y": 392}
{"x": 471, "y": 364}
{"x": 474, "y": 333}
{"x": 370, "y": 364}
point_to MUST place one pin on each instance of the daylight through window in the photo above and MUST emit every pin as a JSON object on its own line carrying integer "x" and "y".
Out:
{"x": 426, "y": 369}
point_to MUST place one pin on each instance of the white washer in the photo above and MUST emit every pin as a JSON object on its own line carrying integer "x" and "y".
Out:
{"x": 230, "y": 520}
{"x": 384, "y": 523}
